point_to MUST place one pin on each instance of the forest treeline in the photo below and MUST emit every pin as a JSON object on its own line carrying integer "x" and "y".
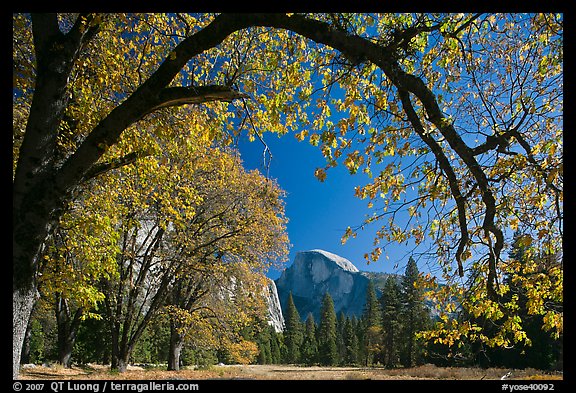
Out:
{"x": 387, "y": 334}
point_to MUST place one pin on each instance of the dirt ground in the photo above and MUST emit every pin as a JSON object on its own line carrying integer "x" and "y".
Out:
{"x": 282, "y": 372}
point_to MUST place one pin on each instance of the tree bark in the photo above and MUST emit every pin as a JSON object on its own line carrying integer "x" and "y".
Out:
{"x": 176, "y": 345}
{"x": 23, "y": 300}
{"x": 25, "y": 355}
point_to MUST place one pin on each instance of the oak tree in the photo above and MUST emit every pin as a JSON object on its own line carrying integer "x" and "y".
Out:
{"x": 456, "y": 119}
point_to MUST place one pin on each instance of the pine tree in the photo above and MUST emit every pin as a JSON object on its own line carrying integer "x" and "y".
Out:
{"x": 372, "y": 314}
{"x": 350, "y": 343}
{"x": 275, "y": 353}
{"x": 264, "y": 356}
{"x": 340, "y": 322}
{"x": 293, "y": 335}
{"x": 391, "y": 324}
{"x": 414, "y": 315}
{"x": 309, "y": 353}
{"x": 372, "y": 325}
{"x": 264, "y": 340}
{"x": 327, "y": 350}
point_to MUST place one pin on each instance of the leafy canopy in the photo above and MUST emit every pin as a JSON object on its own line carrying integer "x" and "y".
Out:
{"x": 454, "y": 119}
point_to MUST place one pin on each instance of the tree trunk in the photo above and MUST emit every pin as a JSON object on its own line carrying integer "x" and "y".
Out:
{"x": 67, "y": 330}
{"x": 31, "y": 225}
{"x": 119, "y": 359}
{"x": 176, "y": 345}
{"x": 25, "y": 355}
{"x": 65, "y": 353}
{"x": 115, "y": 355}
{"x": 119, "y": 363}
{"x": 22, "y": 303}
{"x": 121, "y": 351}
{"x": 122, "y": 364}
{"x": 66, "y": 340}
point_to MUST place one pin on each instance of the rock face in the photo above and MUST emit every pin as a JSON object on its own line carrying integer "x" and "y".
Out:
{"x": 275, "y": 317}
{"x": 317, "y": 272}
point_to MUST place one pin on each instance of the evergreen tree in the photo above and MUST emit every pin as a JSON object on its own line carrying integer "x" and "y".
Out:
{"x": 391, "y": 324}
{"x": 340, "y": 322}
{"x": 327, "y": 350}
{"x": 372, "y": 326}
{"x": 275, "y": 353}
{"x": 293, "y": 335}
{"x": 372, "y": 314}
{"x": 309, "y": 353}
{"x": 263, "y": 340}
{"x": 350, "y": 343}
{"x": 414, "y": 315}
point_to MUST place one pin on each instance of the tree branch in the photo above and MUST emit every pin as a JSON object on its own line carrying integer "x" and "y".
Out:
{"x": 45, "y": 31}
{"x": 356, "y": 47}
{"x": 153, "y": 93}
{"x": 501, "y": 141}
{"x": 446, "y": 168}
{"x": 176, "y": 96}
{"x": 98, "y": 169}
{"x": 84, "y": 29}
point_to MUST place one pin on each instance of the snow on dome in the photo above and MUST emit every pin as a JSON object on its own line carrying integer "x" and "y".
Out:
{"x": 340, "y": 261}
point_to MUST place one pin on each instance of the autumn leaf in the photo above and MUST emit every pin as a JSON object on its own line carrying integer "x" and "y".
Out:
{"x": 320, "y": 174}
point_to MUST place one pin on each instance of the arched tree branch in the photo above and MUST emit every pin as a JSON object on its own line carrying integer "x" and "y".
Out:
{"x": 356, "y": 47}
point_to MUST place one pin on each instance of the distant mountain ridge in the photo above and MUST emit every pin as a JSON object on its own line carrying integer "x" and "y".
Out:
{"x": 316, "y": 272}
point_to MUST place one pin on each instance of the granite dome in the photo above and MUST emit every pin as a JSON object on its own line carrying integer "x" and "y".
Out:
{"x": 317, "y": 272}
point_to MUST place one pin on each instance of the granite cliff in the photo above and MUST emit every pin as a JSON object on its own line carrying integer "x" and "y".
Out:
{"x": 275, "y": 316}
{"x": 317, "y": 272}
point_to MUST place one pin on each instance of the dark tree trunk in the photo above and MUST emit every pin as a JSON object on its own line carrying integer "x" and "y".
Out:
{"x": 33, "y": 206}
{"x": 114, "y": 348}
{"x": 67, "y": 330}
{"x": 65, "y": 353}
{"x": 176, "y": 345}
{"x": 25, "y": 355}
{"x": 119, "y": 360}
{"x": 120, "y": 354}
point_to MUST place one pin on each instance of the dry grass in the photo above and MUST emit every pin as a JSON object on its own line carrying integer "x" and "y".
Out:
{"x": 95, "y": 371}
{"x": 284, "y": 372}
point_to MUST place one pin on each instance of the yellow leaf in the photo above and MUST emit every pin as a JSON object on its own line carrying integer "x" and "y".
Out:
{"x": 320, "y": 174}
{"x": 514, "y": 223}
{"x": 525, "y": 241}
{"x": 301, "y": 135}
{"x": 314, "y": 139}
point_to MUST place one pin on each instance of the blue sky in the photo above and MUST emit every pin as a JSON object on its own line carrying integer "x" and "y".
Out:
{"x": 319, "y": 212}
